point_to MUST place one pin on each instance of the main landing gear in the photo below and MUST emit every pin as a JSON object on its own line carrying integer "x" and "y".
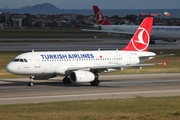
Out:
{"x": 96, "y": 81}
{"x": 31, "y": 81}
{"x": 66, "y": 80}
{"x": 152, "y": 42}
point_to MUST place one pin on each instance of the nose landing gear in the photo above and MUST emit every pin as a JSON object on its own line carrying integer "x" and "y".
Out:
{"x": 31, "y": 81}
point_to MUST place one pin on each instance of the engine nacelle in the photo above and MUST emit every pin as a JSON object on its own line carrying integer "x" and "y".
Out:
{"x": 170, "y": 40}
{"x": 82, "y": 76}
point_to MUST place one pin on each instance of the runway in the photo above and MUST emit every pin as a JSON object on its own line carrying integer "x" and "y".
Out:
{"x": 13, "y": 91}
{"x": 75, "y": 44}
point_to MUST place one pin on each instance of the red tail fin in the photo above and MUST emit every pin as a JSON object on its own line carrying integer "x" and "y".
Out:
{"x": 100, "y": 18}
{"x": 140, "y": 40}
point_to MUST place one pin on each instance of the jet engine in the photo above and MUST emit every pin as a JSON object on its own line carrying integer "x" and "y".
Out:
{"x": 82, "y": 76}
{"x": 169, "y": 40}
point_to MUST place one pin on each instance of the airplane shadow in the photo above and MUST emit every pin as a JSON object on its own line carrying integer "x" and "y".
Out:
{"x": 10, "y": 83}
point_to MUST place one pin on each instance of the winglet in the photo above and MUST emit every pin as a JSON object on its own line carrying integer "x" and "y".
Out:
{"x": 140, "y": 40}
{"x": 164, "y": 63}
{"x": 100, "y": 18}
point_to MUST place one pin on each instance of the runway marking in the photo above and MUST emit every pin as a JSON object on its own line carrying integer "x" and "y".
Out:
{"x": 81, "y": 95}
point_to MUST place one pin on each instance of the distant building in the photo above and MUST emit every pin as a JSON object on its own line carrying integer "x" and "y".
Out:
{"x": 17, "y": 19}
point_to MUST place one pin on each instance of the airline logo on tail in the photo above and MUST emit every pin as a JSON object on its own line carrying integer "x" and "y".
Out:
{"x": 140, "y": 40}
{"x": 100, "y": 18}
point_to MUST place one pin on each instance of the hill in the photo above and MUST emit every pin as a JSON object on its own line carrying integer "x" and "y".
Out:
{"x": 43, "y": 6}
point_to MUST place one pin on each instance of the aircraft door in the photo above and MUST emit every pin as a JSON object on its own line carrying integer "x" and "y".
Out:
{"x": 36, "y": 61}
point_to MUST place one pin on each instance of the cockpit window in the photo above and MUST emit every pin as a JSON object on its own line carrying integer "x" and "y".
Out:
{"x": 25, "y": 60}
{"x": 16, "y": 60}
{"x": 20, "y": 60}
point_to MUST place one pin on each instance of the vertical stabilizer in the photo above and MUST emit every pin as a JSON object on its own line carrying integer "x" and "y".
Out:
{"x": 100, "y": 18}
{"x": 141, "y": 38}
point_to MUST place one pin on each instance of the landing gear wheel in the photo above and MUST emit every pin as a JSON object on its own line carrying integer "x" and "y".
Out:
{"x": 96, "y": 81}
{"x": 30, "y": 84}
{"x": 31, "y": 81}
{"x": 66, "y": 80}
{"x": 152, "y": 42}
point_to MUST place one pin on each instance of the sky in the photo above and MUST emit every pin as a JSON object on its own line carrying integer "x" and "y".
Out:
{"x": 103, "y": 4}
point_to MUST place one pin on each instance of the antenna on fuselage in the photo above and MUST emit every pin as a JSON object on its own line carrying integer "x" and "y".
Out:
{"x": 99, "y": 49}
{"x": 33, "y": 50}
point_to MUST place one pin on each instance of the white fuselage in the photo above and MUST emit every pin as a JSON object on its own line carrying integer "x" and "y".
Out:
{"x": 57, "y": 63}
{"x": 159, "y": 32}
{"x": 84, "y": 66}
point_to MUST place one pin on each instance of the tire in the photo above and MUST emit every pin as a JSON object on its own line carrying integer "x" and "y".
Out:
{"x": 152, "y": 42}
{"x": 30, "y": 84}
{"x": 96, "y": 82}
{"x": 66, "y": 80}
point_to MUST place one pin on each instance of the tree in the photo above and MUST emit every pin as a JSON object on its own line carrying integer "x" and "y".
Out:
{"x": 52, "y": 24}
{"x": 37, "y": 24}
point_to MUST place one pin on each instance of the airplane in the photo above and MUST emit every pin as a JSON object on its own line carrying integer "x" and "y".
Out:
{"x": 165, "y": 33}
{"x": 84, "y": 66}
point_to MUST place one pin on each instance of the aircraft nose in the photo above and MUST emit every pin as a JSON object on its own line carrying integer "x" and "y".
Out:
{"x": 11, "y": 68}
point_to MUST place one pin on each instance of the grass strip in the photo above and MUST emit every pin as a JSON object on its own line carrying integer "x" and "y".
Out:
{"x": 51, "y": 34}
{"x": 162, "y": 108}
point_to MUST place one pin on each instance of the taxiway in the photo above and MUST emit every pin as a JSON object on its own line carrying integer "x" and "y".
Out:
{"x": 70, "y": 44}
{"x": 13, "y": 91}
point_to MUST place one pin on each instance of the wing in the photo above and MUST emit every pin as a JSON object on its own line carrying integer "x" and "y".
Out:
{"x": 117, "y": 66}
{"x": 117, "y": 32}
{"x": 67, "y": 70}
{"x": 105, "y": 67}
{"x": 104, "y": 31}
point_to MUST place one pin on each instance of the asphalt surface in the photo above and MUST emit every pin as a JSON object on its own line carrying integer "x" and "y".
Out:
{"x": 70, "y": 44}
{"x": 13, "y": 91}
